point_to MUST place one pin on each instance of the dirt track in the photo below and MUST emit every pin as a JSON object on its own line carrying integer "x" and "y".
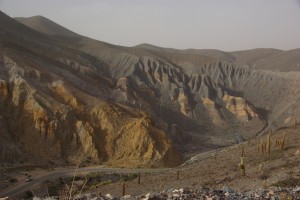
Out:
{"x": 213, "y": 169}
{"x": 37, "y": 180}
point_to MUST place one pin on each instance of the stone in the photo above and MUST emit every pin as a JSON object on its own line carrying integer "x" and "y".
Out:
{"x": 256, "y": 195}
{"x": 227, "y": 189}
{"x": 271, "y": 192}
{"x": 176, "y": 195}
{"x": 169, "y": 190}
{"x": 154, "y": 195}
{"x": 126, "y": 197}
{"x": 148, "y": 194}
{"x": 297, "y": 189}
{"x": 109, "y": 196}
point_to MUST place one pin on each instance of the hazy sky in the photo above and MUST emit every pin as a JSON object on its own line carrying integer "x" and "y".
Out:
{"x": 214, "y": 24}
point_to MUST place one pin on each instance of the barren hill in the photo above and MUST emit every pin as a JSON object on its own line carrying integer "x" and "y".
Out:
{"x": 134, "y": 106}
{"x": 46, "y": 26}
{"x": 54, "y": 106}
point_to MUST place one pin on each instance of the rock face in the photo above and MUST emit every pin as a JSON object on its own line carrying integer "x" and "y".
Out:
{"x": 58, "y": 107}
{"x": 201, "y": 104}
{"x": 54, "y": 123}
{"x": 71, "y": 98}
{"x": 239, "y": 107}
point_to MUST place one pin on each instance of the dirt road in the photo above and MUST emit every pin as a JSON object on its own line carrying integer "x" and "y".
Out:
{"x": 63, "y": 173}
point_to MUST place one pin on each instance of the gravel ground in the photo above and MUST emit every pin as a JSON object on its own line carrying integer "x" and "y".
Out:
{"x": 201, "y": 193}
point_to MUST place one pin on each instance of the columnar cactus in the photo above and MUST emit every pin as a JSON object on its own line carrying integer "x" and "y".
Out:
{"x": 269, "y": 144}
{"x": 283, "y": 141}
{"x": 242, "y": 166}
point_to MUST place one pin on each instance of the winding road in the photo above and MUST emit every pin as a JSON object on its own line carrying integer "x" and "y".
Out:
{"x": 63, "y": 173}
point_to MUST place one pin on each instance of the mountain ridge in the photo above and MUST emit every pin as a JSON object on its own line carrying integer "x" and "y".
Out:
{"x": 185, "y": 101}
{"x": 49, "y": 93}
{"x": 45, "y": 25}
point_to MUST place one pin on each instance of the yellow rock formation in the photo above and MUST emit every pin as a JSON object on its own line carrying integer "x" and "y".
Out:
{"x": 239, "y": 107}
{"x": 105, "y": 132}
{"x": 212, "y": 111}
{"x": 184, "y": 104}
{"x": 59, "y": 88}
{"x": 133, "y": 141}
{"x": 3, "y": 88}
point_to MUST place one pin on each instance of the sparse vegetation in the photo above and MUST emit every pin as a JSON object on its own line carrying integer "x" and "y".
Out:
{"x": 282, "y": 143}
{"x": 69, "y": 187}
{"x": 242, "y": 151}
{"x": 269, "y": 144}
{"x": 242, "y": 167}
{"x": 88, "y": 159}
{"x": 96, "y": 101}
{"x": 123, "y": 188}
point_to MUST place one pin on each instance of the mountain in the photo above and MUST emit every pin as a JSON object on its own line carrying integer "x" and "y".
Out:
{"x": 46, "y": 26}
{"x": 52, "y": 107}
{"x": 212, "y": 53}
{"x": 285, "y": 61}
{"x": 67, "y": 96}
{"x": 261, "y": 58}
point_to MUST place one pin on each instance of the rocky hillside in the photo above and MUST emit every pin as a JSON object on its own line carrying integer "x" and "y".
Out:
{"x": 214, "y": 173}
{"x": 65, "y": 95}
{"x": 54, "y": 106}
{"x": 219, "y": 101}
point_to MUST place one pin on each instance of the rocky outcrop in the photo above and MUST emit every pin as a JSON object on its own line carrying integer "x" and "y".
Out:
{"x": 239, "y": 107}
{"x": 51, "y": 122}
{"x": 59, "y": 89}
{"x": 212, "y": 89}
{"x": 132, "y": 141}
{"x": 3, "y": 88}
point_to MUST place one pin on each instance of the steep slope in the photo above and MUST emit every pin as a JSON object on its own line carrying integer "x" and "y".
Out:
{"x": 270, "y": 59}
{"x": 211, "y": 53}
{"x": 200, "y": 98}
{"x": 46, "y": 26}
{"x": 284, "y": 61}
{"x": 193, "y": 93}
{"x": 54, "y": 106}
{"x": 199, "y": 113}
{"x": 253, "y": 56}
{"x": 262, "y": 58}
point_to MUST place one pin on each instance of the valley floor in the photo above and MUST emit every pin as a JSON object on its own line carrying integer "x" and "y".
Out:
{"x": 221, "y": 168}
{"x": 214, "y": 169}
